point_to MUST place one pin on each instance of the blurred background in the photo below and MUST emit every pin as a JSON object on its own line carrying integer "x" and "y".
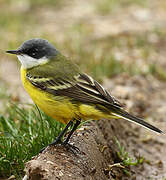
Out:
{"x": 121, "y": 43}
{"x": 105, "y": 38}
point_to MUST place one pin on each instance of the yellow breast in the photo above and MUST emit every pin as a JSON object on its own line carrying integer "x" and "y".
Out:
{"x": 57, "y": 107}
{"x": 60, "y": 108}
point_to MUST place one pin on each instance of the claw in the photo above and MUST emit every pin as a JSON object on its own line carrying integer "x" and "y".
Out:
{"x": 65, "y": 143}
{"x": 57, "y": 141}
{"x": 68, "y": 146}
{"x": 43, "y": 149}
{"x": 71, "y": 147}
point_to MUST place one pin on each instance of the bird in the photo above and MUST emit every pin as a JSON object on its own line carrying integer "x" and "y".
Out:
{"x": 59, "y": 88}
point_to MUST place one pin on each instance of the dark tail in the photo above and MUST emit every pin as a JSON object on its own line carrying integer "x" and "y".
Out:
{"x": 124, "y": 115}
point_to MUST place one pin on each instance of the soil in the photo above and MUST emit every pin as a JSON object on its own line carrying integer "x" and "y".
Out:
{"x": 96, "y": 140}
{"x": 142, "y": 95}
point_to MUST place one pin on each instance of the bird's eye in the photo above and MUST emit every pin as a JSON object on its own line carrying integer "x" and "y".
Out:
{"x": 32, "y": 52}
{"x": 35, "y": 53}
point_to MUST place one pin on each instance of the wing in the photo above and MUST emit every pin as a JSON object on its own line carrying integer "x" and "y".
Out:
{"x": 80, "y": 88}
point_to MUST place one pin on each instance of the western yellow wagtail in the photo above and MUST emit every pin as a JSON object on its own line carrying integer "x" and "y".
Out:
{"x": 62, "y": 91}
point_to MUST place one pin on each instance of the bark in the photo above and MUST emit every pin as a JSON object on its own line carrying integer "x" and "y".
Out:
{"x": 96, "y": 152}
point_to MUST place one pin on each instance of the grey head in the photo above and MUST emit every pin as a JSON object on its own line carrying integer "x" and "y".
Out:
{"x": 35, "y": 48}
{"x": 34, "y": 52}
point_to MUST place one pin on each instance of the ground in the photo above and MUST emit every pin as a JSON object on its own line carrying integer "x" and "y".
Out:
{"x": 143, "y": 99}
{"x": 121, "y": 44}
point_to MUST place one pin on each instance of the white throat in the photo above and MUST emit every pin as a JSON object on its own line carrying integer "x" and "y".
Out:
{"x": 29, "y": 62}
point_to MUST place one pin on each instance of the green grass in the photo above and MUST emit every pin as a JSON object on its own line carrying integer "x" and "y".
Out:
{"x": 157, "y": 71}
{"x": 22, "y": 134}
{"x": 125, "y": 159}
{"x": 3, "y": 94}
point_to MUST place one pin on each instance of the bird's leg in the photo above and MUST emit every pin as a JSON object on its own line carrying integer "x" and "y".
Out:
{"x": 71, "y": 132}
{"x": 58, "y": 139}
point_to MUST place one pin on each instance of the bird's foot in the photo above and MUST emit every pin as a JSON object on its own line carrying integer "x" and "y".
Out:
{"x": 57, "y": 141}
{"x": 70, "y": 147}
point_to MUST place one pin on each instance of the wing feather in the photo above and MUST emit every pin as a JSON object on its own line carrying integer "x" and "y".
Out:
{"x": 81, "y": 89}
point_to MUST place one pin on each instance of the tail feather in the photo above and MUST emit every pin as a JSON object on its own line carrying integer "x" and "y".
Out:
{"x": 124, "y": 115}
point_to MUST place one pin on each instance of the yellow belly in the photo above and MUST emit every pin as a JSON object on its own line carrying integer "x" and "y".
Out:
{"x": 58, "y": 107}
